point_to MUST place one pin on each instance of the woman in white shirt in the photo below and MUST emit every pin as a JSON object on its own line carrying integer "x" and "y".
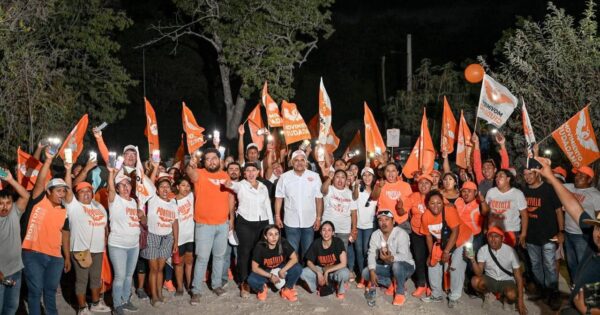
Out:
{"x": 365, "y": 217}
{"x": 163, "y": 233}
{"x": 252, "y": 216}
{"x": 185, "y": 209}
{"x": 123, "y": 239}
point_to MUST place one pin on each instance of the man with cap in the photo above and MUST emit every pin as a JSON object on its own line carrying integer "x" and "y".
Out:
{"x": 87, "y": 232}
{"x": 303, "y": 207}
{"x": 46, "y": 219}
{"x": 496, "y": 269}
{"x": 252, "y": 153}
{"x": 389, "y": 261}
{"x": 578, "y": 243}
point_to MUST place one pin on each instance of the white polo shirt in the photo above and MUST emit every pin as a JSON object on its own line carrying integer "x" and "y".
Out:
{"x": 299, "y": 193}
{"x": 253, "y": 203}
{"x": 589, "y": 198}
{"x": 505, "y": 255}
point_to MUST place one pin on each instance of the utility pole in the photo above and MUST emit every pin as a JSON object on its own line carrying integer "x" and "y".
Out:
{"x": 408, "y": 62}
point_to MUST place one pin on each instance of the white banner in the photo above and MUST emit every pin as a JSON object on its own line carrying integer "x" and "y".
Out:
{"x": 496, "y": 102}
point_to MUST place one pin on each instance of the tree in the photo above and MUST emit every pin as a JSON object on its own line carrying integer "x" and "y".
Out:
{"x": 57, "y": 63}
{"x": 554, "y": 65}
{"x": 254, "y": 41}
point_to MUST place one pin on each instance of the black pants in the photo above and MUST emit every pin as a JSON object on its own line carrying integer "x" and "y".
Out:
{"x": 248, "y": 233}
{"x": 418, "y": 247}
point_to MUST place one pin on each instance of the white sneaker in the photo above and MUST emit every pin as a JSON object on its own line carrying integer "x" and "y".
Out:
{"x": 99, "y": 307}
{"x": 84, "y": 311}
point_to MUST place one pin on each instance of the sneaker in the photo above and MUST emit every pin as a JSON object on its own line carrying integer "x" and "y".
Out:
{"x": 419, "y": 291}
{"x": 179, "y": 293}
{"x": 84, "y": 311}
{"x": 118, "y": 311}
{"x": 155, "y": 303}
{"x": 360, "y": 284}
{"x": 390, "y": 290}
{"x": 428, "y": 292}
{"x": 352, "y": 277}
{"x": 340, "y": 296}
{"x": 294, "y": 291}
{"x": 99, "y": 307}
{"x": 168, "y": 285}
{"x": 195, "y": 300}
{"x": 262, "y": 296}
{"x": 141, "y": 294}
{"x": 399, "y": 299}
{"x": 430, "y": 299}
{"x": 288, "y": 294}
{"x": 487, "y": 301}
{"x": 244, "y": 291}
{"x": 452, "y": 303}
{"x": 219, "y": 291}
{"x": 129, "y": 307}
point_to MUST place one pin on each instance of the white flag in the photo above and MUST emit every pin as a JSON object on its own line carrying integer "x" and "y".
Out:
{"x": 527, "y": 128}
{"x": 496, "y": 102}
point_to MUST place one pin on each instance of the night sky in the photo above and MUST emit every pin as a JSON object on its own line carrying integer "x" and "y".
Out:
{"x": 349, "y": 61}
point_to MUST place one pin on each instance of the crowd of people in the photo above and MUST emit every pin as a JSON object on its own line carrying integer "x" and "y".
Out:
{"x": 295, "y": 221}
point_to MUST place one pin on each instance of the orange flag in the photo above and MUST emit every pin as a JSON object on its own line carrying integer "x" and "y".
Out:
{"x": 463, "y": 145}
{"x": 448, "y": 128}
{"x": 180, "y": 153}
{"x": 193, "y": 132}
{"x": 356, "y": 149}
{"x": 313, "y": 126}
{"x": 151, "y": 128}
{"x": 75, "y": 139}
{"x": 273, "y": 116}
{"x": 106, "y": 273}
{"x": 373, "y": 140}
{"x": 255, "y": 123}
{"x": 332, "y": 141}
{"x": 28, "y": 169}
{"x": 576, "y": 138}
{"x": 324, "y": 114}
{"x": 412, "y": 162}
{"x": 426, "y": 149}
{"x": 294, "y": 127}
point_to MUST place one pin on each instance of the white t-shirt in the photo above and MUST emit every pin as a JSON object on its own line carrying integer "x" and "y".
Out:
{"x": 124, "y": 223}
{"x": 589, "y": 198}
{"x": 185, "y": 212}
{"x": 161, "y": 215}
{"x": 505, "y": 208}
{"x": 366, "y": 215}
{"x": 338, "y": 207}
{"x": 87, "y": 224}
{"x": 506, "y": 256}
{"x": 299, "y": 193}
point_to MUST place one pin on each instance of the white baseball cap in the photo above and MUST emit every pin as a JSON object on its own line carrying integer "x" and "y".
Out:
{"x": 299, "y": 153}
{"x": 56, "y": 182}
{"x": 129, "y": 147}
{"x": 251, "y": 145}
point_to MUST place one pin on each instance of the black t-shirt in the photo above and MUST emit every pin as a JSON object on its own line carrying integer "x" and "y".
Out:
{"x": 542, "y": 203}
{"x": 268, "y": 258}
{"x": 587, "y": 270}
{"x": 325, "y": 257}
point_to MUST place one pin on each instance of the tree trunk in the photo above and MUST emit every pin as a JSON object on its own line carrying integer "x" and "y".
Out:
{"x": 235, "y": 117}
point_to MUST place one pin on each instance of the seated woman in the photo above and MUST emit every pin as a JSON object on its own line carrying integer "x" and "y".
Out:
{"x": 326, "y": 261}
{"x": 274, "y": 260}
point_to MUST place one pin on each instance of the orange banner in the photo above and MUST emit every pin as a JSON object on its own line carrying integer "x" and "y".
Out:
{"x": 576, "y": 138}
{"x": 448, "y": 128}
{"x": 426, "y": 149}
{"x": 373, "y": 140}
{"x": 412, "y": 162}
{"x": 273, "y": 116}
{"x": 255, "y": 123}
{"x": 180, "y": 153}
{"x": 313, "y": 126}
{"x": 463, "y": 146}
{"x": 28, "y": 169}
{"x": 75, "y": 139}
{"x": 294, "y": 127}
{"x": 151, "y": 128}
{"x": 356, "y": 148}
{"x": 193, "y": 132}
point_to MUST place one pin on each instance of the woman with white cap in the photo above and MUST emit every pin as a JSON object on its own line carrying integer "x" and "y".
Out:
{"x": 123, "y": 239}
{"x": 365, "y": 217}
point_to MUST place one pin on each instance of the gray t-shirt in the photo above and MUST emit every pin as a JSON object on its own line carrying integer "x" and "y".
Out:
{"x": 10, "y": 242}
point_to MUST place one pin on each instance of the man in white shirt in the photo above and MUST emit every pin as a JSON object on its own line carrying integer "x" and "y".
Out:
{"x": 303, "y": 207}
{"x": 500, "y": 274}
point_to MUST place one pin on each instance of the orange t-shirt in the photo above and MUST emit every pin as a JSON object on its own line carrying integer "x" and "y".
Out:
{"x": 390, "y": 193}
{"x": 44, "y": 229}
{"x": 432, "y": 225}
{"x": 415, "y": 203}
{"x": 470, "y": 214}
{"x": 212, "y": 198}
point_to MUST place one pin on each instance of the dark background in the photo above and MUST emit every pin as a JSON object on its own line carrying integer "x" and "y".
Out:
{"x": 349, "y": 61}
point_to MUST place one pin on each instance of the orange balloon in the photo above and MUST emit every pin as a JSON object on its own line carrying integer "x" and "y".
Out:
{"x": 474, "y": 73}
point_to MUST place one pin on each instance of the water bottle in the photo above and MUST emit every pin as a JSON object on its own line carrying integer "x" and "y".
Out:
{"x": 370, "y": 295}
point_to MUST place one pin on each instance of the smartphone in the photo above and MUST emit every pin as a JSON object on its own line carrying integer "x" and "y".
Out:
{"x": 119, "y": 162}
{"x": 68, "y": 155}
{"x": 3, "y": 173}
{"x": 112, "y": 159}
{"x": 102, "y": 125}
{"x": 93, "y": 156}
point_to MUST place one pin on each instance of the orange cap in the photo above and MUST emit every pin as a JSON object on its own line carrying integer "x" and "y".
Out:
{"x": 584, "y": 170}
{"x": 469, "y": 185}
{"x": 559, "y": 170}
{"x": 83, "y": 185}
{"x": 495, "y": 229}
{"x": 425, "y": 176}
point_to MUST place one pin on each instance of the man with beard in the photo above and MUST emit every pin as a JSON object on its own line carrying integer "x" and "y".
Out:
{"x": 211, "y": 214}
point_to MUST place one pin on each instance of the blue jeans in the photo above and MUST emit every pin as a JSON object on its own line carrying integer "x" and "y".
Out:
{"x": 9, "y": 296}
{"x": 576, "y": 247}
{"x": 339, "y": 277}
{"x": 399, "y": 271}
{"x": 123, "y": 261}
{"x": 543, "y": 264}
{"x": 361, "y": 247}
{"x": 210, "y": 239}
{"x": 42, "y": 275}
{"x": 299, "y": 237}
{"x": 227, "y": 261}
{"x": 257, "y": 282}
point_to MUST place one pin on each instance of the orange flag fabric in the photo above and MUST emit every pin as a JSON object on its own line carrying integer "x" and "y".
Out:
{"x": 106, "y": 274}
{"x": 28, "y": 169}
{"x": 463, "y": 145}
{"x": 75, "y": 139}
{"x": 426, "y": 149}
{"x": 255, "y": 123}
{"x": 180, "y": 153}
{"x": 294, "y": 127}
{"x": 151, "y": 127}
{"x": 448, "y": 128}
{"x": 193, "y": 132}
{"x": 331, "y": 142}
{"x": 412, "y": 162}
{"x": 356, "y": 148}
{"x": 273, "y": 116}
{"x": 576, "y": 138}
{"x": 527, "y": 128}
{"x": 373, "y": 140}
{"x": 313, "y": 126}
{"x": 324, "y": 114}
